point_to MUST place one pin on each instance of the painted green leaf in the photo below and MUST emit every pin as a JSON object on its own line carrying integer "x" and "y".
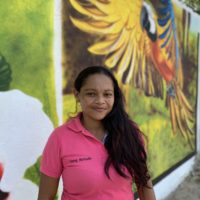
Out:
{"x": 5, "y": 74}
{"x": 33, "y": 172}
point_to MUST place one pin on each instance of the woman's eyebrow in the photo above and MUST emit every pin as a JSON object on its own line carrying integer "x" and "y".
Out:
{"x": 92, "y": 89}
{"x": 109, "y": 90}
{"x": 89, "y": 89}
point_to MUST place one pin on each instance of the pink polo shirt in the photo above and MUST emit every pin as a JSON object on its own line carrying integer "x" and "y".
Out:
{"x": 75, "y": 154}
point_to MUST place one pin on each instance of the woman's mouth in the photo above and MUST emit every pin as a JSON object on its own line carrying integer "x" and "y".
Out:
{"x": 100, "y": 109}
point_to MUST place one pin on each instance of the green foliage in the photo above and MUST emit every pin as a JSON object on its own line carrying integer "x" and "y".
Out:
{"x": 26, "y": 40}
{"x": 190, "y": 63}
{"x": 193, "y": 44}
{"x": 33, "y": 173}
{"x": 5, "y": 74}
{"x": 194, "y": 4}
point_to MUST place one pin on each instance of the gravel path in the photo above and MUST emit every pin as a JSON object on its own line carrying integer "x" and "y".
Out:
{"x": 189, "y": 189}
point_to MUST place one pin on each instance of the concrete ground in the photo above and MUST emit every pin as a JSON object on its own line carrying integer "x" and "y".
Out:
{"x": 189, "y": 189}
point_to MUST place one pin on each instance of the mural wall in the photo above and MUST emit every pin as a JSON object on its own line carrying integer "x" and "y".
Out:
{"x": 148, "y": 47}
{"x": 152, "y": 50}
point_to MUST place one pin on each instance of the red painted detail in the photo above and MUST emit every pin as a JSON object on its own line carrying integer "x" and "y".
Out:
{"x": 165, "y": 67}
{"x": 1, "y": 170}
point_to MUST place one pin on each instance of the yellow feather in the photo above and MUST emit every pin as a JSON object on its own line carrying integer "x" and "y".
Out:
{"x": 143, "y": 71}
{"x": 179, "y": 121}
{"x": 81, "y": 9}
{"x": 172, "y": 113}
{"x": 132, "y": 67}
{"x": 101, "y": 48}
{"x": 95, "y": 11}
{"x": 125, "y": 59}
{"x": 136, "y": 67}
{"x": 104, "y": 46}
{"x": 113, "y": 58}
{"x": 183, "y": 101}
{"x": 86, "y": 27}
{"x": 99, "y": 24}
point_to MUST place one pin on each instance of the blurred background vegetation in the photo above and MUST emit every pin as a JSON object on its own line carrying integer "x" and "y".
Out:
{"x": 194, "y": 4}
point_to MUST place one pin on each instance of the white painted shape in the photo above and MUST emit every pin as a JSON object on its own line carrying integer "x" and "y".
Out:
{"x": 24, "y": 130}
{"x": 24, "y": 190}
{"x": 57, "y": 58}
{"x": 58, "y": 67}
{"x": 198, "y": 103}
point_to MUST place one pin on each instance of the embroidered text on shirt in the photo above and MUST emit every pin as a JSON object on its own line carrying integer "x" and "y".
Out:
{"x": 80, "y": 159}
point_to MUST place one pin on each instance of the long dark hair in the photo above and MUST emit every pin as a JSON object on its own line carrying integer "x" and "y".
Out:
{"x": 124, "y": 142}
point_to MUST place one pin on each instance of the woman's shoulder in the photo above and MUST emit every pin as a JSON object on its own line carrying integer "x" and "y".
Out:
{"x": 73, "y": 125}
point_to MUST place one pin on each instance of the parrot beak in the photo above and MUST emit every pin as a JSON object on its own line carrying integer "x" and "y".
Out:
{"x": 148, "y": 24}
{"x": 144, "y": 19}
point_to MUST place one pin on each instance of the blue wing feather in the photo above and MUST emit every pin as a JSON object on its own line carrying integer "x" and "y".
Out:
{"x": 166, "y": 14}
{"x": 163, "y": 11}
{"x": 165, "y": 1}
{"x": 164, "y": 21}
{"x": 165, "y": 32}
{"x": 166, "y": 41}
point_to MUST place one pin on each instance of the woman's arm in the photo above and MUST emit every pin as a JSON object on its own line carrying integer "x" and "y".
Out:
{"x": 48, "y": 187}
{"x": 146, "y": 193}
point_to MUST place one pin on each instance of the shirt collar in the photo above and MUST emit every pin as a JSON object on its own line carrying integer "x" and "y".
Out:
{"x": 76, "y": 126}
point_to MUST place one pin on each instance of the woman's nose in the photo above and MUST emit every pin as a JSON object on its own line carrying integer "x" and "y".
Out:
{"x": 100, "y": 99}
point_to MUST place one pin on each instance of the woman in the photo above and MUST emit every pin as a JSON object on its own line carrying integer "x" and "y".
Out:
{"x": 100, "y": 152}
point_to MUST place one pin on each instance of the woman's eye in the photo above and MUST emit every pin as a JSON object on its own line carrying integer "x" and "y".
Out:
{"x": 108, "y": 94}
{"x": 91, "y": 94}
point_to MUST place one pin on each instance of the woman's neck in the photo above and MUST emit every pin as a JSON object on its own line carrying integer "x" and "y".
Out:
{"x": 94, "y": 127}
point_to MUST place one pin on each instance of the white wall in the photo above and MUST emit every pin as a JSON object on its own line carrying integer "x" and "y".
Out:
{"x": 171, "y": 182}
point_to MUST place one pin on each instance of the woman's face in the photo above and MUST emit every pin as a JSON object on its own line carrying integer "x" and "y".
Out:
{"x": 96, "y": 96}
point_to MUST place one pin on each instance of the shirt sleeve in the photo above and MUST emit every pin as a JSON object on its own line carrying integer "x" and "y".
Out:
{"x": 51, "y": 163}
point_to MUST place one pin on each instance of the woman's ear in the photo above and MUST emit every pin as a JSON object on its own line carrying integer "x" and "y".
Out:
{"x": 76, "y": 95}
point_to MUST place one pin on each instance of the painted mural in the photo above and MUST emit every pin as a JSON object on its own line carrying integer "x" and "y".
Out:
{"x": 147, "y": 46}
{"x": 150, "y": 46}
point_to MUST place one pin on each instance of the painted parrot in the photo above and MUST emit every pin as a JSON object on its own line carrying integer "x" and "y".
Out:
{"x": 140, "y": 46}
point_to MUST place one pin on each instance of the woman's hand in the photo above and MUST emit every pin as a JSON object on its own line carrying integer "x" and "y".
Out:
{"x": 146, "y": 193}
